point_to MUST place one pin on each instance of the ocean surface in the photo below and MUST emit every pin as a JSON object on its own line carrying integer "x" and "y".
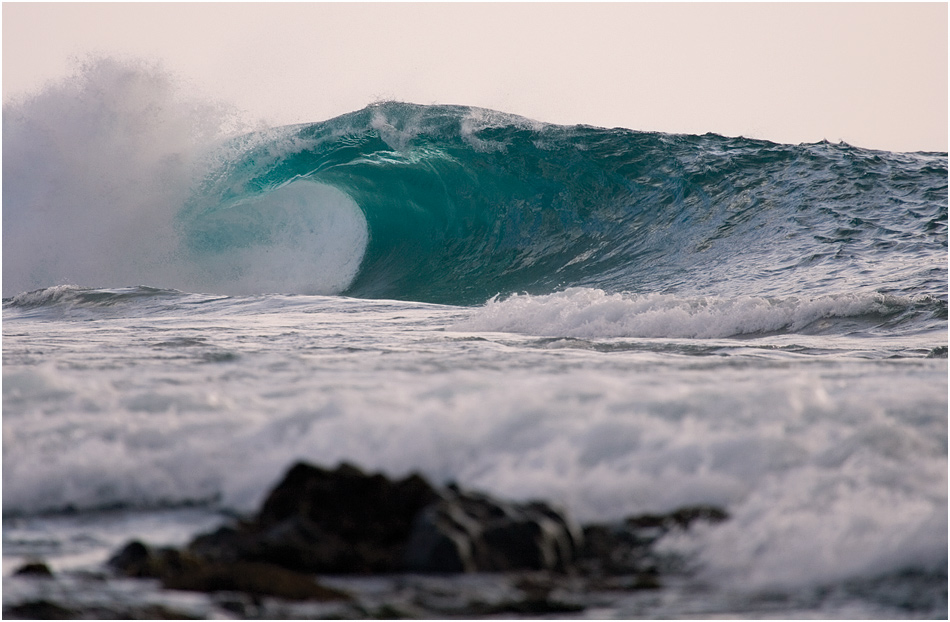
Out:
{"x": 617, "y": 321}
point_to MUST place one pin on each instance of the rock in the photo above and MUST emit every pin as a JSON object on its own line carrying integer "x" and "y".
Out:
{"x": 322, "y": 521}
{"x": 441, "y": 542}
{"x": 470, "y": 532}
{"x": 226, "y": 544}
{"x": 133, "y": 560}
{"x": 348, "y": 502}
{"x": 345, "y": 521}
{"x": 254, "y": 578}
{"x": 534, "y": 607}
{"x": 626, "y": 548}
{"x": 939, "y": 352}
{"x": 615, "y": 550}
{"x": 47, "y": 610}
{"x": 140, "y": 561}
{"x": 183, "y": 570}
{"x": 36, "y": 569}
{"x": 681, "y": 518}
{"x": 40, "y": 610}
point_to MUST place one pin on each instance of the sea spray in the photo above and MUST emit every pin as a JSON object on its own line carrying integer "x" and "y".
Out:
{"x": 94, "y": 168}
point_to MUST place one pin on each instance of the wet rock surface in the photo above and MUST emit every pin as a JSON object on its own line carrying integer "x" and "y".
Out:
{"x": 626, "y": 548}
{"x": 183, "y": 570}
{"x": 34, "y": 569}
{"x": 472, "y": 532}
{"x": 522, "y": 559}
{"x": 345, "y": 521}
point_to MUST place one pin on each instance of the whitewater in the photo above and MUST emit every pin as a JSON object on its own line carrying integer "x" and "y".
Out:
{"x": 616, "y": 321}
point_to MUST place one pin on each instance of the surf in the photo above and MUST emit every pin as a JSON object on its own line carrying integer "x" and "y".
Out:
{"x": 115, "y": 179}
{"x": 462, "y": 204}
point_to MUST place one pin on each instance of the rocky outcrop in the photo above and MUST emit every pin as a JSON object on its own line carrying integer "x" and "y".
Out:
{"x": 34, "y": 569}
{"x": 321, "y": 521}
{"x": 183, "y": 570}
{"x": 625, "y": 548}
{"x": 345, "y": 521}
{"x": 471, "y": 532}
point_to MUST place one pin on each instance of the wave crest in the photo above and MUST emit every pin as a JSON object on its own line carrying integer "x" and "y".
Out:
{"x": 74, "y": 296}
{"x": 586, "y": 313}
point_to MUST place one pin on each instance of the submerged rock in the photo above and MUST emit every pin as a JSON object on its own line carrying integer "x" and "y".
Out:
{"x": 255, "y": 578}
{"x": 140, "y": 561}
{"x": 681, "y": 518}
{"x": 625, "y": 548}
{"x": 183, "y": 570}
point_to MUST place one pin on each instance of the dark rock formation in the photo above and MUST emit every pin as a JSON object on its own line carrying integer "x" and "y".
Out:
{"x": 140, "y": 561}
{"x": 361, "y": 521}
{"x": 344, "y": 521}
{"x": 40, "y": 610}
{"x": 321, "y": 521}
{"x": 182, "y": 570}
{"x": 681, "y": 518}
{"x": 625, "y": 548}
{"x": 470, "y": 532}
{"x": 255, "y": 578}
{"x": 44, "y": 609}
{"x": 37, "y": 569}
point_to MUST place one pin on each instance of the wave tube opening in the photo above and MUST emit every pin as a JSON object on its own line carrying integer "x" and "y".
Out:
{"x": 300, "y": 238}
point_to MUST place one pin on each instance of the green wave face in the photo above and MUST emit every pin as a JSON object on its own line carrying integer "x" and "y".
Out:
{"x": 460, "y": 204}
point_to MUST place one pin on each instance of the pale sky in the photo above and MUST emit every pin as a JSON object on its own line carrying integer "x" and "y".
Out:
{"x": 873, "y": 75}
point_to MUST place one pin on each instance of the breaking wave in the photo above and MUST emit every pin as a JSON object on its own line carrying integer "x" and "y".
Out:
{"x": 114, "y": 180}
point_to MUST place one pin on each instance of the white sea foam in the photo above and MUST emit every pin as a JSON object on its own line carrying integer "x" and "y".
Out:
{"x": 819, "y": 487}
{"x": 591, "y": 313}
{"x": 478, "y": 119}
{"x": 829, "y": 469}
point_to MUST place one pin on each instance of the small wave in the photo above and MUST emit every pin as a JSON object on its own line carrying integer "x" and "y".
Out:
{"x": 73, "y": 296}
{"x": 592, "y": 313}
